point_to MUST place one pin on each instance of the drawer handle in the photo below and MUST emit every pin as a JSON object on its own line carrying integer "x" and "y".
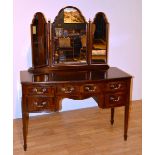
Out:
{"x": 40, "y": 105}
{"x": 39, "y": 92}
{"x": 67, "y": 90}
{"x": 115, "y": 86}
{"x": 115, "y": 98}
{"x": 90, "y": 88}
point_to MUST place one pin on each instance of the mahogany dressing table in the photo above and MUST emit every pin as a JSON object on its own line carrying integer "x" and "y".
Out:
{"x": 69, "y": 58}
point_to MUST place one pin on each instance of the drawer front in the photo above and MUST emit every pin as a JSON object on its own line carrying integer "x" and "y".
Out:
{"x": 35, "y": 104}
{"x": 115, "y": 99}
{"x": 90, "y": 88}
{"x": 39, "y": 90}
{"x": 68, "y": 89}
{"x": 116, "y": 85}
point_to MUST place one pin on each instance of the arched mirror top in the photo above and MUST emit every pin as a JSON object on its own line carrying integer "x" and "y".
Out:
{"x": 38, "y": 18}
{"x": 101, "y": 15}
{"x": 69, "y": 14}
{"x": 100, "y": 26}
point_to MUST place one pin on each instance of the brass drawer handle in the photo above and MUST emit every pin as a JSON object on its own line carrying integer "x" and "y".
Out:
{"x": 115, "y": 98}
{"x": 90, "y": 88}
{"x": 35, "y": 90}
{"x": 115, "y": 86}
{"x": 67, "y": 90}
{"x": 40, "y": 105}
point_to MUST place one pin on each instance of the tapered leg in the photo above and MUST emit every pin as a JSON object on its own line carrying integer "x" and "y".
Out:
{"x": 126, "y": 120}
{"x": 112, "y": 116}
{"x": 25, "y": 129}
{"x": 25, "y": 119}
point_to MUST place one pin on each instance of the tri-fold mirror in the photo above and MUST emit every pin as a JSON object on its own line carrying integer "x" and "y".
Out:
{"x": 69, "y": 40}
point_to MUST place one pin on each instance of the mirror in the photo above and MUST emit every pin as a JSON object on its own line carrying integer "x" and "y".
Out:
{"x": 38, "y": 39}
{"x": 69, "y": 37}
{"x": 99, "y": 39}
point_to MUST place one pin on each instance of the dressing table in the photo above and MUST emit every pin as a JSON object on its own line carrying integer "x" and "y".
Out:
{"x": 70, "y": 60}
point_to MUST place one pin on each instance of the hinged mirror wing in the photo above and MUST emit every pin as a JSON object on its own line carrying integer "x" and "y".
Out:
{"x": 69, "y": 35}
{"x": 39, "y": 40}
{"x": 100, "y": 32}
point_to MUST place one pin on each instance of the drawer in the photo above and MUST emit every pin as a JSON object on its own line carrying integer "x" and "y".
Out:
{"x": 116, "y": 85}
{"x": 115, "y": 99}
{"x": 68, "y": 89}
{"x": 35, "y": 103}
{"x": 90, "y": 88}
{"x": 39, "y": 90}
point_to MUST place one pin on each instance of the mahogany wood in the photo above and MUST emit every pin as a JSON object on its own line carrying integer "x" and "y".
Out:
{"x": 47, "y": 82}
{"x": 39, "y": 40}
{"x": 112, "y": 116}
{"x": 44, "y": 92}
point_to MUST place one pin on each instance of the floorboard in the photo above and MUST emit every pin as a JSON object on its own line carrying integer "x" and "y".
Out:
{"x": 81, "y": 132}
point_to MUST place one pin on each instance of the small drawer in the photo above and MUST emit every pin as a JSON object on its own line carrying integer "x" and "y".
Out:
{"x": 35, "y": 104}
{"x": 115, "y": 99}
{"x": 67, "y": 89}
{"x": 116, "y": 85}
{"x": 90, "y": 88}
{"x": 40, "y": 90}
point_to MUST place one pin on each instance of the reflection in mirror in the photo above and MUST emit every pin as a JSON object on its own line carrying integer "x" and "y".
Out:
{"x": 100, "y": 39}
{"x": 40, "y": 78}
{"x": 72, "y": 15}
{"x": 65, "y": 76}
{"x": 69, "y": 30}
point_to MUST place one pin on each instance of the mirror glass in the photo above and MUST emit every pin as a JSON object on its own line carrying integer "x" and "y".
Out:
{"x": 69, "y": 36}
{"x": 100, "y": 39}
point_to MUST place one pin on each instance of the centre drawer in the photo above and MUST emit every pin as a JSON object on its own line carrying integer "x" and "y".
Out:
{"x": 67, "y": 89}
{"x": 35, "y": 103}
{"x": 90, "y": 88}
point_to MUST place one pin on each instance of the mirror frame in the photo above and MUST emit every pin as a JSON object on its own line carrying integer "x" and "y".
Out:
{"x": 106, "y": 35}
{"x": 40, "y": 30}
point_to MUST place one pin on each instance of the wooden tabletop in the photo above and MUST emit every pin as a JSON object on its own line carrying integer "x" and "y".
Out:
{"x": 73, "y": 76}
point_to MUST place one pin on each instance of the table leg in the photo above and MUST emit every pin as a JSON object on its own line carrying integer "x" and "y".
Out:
{"x": 25, "y": 119}
{"x": 25, "y": 129}
{"x": 112, "y": 116}
{"x": 126, "y": 119}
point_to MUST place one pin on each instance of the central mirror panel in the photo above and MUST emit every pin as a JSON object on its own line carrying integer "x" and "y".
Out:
{"x": 69, "y": 35}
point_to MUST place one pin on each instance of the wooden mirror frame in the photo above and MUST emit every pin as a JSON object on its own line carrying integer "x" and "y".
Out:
{"x": 39, "y": 40}
{"x": 102, "y": 40}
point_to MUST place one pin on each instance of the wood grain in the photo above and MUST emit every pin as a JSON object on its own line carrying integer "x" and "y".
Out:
{"x": 81, "y": 132}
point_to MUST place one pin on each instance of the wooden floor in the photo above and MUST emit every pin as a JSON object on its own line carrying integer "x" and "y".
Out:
{"x": 81, "y": 132}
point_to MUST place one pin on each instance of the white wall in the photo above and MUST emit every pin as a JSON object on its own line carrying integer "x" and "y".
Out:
{"x": 125, "y": 45}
